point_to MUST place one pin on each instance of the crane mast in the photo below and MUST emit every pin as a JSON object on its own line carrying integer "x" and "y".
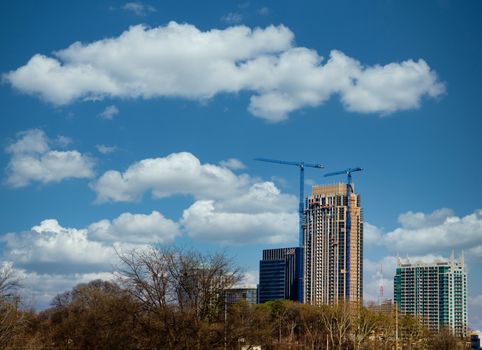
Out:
{"x": 301, "y": 206}
{"x": 301, "y": 210}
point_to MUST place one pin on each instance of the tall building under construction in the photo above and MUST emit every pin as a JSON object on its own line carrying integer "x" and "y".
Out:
{"x": 333, "y": 257}
{"x": 436, "y": 292}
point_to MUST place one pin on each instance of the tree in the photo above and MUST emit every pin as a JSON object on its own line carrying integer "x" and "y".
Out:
{"x": 10, "y": 318}
{"x": 337, "y": 321}
{"x": 182, "y": 293}
{"x": 445, "y": 340}
{"x": 95, "y": 315}
{"x": 9, "y": 281}
{"x": 412, "y": 333}
{"x": 311, "y": 325}
{"x": 365, "y": 322}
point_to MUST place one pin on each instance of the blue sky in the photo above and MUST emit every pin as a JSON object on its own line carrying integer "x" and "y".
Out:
{"x": 145, "y": 130}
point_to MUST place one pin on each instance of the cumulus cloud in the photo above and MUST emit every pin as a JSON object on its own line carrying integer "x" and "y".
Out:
{"x": 411, "y": 220}
{"x": 261, "y": 214}
{"x": 109, "y": 112}
{"x": 204, "y": 220}
{"x": 228, "y": 208}
{"x": 51, "y": 248}
{"x": 371, "y": 234}
{"x": 439, "y": 231}
{"x": 260, "y": 197}
{"x": 233, "y": 164}
{"x": 138, "y": 8}
{"x": 40, "y": 289}
{"x": 136, "y": 228}
{"x": 32, "y": 160}
{"x": 179, "y": 60}
{"x": 178, "y": 173}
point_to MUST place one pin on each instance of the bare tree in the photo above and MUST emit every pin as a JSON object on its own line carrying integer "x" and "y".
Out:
{"x": 9, "y": 281}
{"x": 311, "y": 325}
{"x": 9, "y": 316}
{"x": 365, "y": 323}
{"x": 337, "y": 321}
{"x": 181, "y": 290}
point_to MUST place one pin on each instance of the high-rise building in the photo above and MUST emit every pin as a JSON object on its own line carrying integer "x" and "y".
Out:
{"x": 235, "y": 295}
{"x": 279, "y": 272}
{"x": 435, "y": 292}
{"x": 333, "y": 264}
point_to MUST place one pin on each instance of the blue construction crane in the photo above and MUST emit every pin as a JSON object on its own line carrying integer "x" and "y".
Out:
{"x": 301, "y": 208}
{"x": 349, "y": 190}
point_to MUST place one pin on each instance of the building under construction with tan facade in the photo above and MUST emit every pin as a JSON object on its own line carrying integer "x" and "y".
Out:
{"x": 333, "y": 264}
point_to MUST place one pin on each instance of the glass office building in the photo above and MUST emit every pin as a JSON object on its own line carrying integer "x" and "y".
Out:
{"x": 279, "y": 273}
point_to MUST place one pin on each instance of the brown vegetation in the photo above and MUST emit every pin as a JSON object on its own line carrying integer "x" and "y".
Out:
{"x": 172, "y": 299}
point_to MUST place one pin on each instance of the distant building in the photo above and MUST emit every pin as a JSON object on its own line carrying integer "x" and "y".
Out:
{"x": 386, "y": 307}
{"x": 279, "y": 272}
{"x": 436, "y": 292}
{"x": 234, "y": 295}
{"x": 474, "y": 342}
{"x": 333, "y": 269}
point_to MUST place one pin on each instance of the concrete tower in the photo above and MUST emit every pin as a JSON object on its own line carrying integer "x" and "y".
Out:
{"x": 326, "y": 271}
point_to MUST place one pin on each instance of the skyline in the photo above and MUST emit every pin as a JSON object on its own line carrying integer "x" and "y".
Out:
{"x": 99, "y": 153}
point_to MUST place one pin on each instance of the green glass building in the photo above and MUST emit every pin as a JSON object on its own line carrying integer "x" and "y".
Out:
{"x": 435, "y": 292}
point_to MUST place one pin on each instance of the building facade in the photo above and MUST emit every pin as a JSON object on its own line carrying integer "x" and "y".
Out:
{"x": 235, "y": 295}
{"x": 435, "y": 292}
{"x": 333, "y": 268}
{"x": 279, "y": 272}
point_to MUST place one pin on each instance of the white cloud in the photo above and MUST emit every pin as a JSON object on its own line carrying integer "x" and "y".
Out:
{"x": 232, "y": 18}
{"x": 33, "y": 160}
{"x": 229, "y": 208}
{"x": 436, "y": 232}
{"x": 372, "y": 235}
{"x": 411, "y": 220}
{"x": 395, "y": 86}
{"x": 250, "y": 280}
{"x": 109, "y": 112}
{"x": 178, "y": 173}
{"x": 104, "y": 149}
{"x": 233, "y": 164}
{"x": 52, "y": 248}
{"x": 39, "y": 289}
{"x": 203, "y": 220}
{"x": 136, "y": 228}
{"x": 179, "y": 60}
{"x": 261, "y": 197}
{"x": 138, "y": 8}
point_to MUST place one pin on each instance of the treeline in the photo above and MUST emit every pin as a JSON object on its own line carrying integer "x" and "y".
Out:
{"x": 173, "y": 299}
